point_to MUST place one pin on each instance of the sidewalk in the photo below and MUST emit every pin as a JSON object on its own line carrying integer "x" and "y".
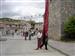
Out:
{"x": 63, "y": 47}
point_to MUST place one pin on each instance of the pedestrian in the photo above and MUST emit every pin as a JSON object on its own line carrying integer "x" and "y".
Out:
{"x": 44, "y": 41}
{"x": 39, "y": 35}
{"x": 30, "y": 34}
{"x": 36, "y": 31}
{"x": 24, "y": 34}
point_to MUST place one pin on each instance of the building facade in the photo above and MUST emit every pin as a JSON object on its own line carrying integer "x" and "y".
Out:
{"x": 39, "y": 26}
{"x": 9, "y": 27}
{"x": 59, "y": 11}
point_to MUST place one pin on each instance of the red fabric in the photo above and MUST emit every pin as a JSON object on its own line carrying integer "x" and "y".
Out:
{"x": 45, "y": 28}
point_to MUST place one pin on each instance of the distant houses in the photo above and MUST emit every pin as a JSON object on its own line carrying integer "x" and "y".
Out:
{"x": 39, "y": 25}
{"x": 13, "y": 25}
{"x": 7, "y": 25}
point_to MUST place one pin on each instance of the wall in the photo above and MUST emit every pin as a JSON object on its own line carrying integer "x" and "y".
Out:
{"x": 59, "y": 10}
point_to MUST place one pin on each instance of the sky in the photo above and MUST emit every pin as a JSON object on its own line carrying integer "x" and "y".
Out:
{"x": 22, "y": 9}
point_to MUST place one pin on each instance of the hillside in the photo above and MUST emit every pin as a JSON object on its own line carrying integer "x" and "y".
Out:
{"x": 9, "y": 20}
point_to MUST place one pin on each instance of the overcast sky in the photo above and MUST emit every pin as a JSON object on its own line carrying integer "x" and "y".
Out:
{"x": 22, "y": 8}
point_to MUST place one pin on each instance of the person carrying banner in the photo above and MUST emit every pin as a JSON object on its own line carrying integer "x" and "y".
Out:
{"x": 45, "y": 27}
{"x": 44, "y": 41}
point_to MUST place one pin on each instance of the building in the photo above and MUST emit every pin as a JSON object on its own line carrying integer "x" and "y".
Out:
{"x": 39, "y": 26}
{"x": 10, "y": 26}
{"x": 26, "y": 26}
{"x": 59, "y": 11}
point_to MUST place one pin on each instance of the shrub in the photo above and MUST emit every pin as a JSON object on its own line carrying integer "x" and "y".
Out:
{"x": 69, "y": 27}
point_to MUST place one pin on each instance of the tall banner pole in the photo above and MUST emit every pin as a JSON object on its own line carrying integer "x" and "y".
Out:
{"x": 46, "y": 15}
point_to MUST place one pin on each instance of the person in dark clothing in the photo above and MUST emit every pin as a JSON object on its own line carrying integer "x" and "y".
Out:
{"x": 44, "y": 41}
{"x": 26, "y": 35}
{"x": 30, "y": 34}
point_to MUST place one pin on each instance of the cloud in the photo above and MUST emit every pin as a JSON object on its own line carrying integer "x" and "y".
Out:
{"x": 14, "y": 8}
{"x": 26, "y": 0}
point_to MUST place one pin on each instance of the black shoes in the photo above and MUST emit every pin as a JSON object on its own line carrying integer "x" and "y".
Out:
{"x": 46, "y": 48}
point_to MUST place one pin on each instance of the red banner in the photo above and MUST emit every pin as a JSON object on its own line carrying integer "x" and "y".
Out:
{"x": 46, "y": 15}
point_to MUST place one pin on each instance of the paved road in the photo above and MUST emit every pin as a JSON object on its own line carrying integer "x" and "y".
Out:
{"x": 17, "y": 46}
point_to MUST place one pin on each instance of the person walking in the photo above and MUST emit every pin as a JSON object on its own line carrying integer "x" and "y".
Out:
{"x": 36, "y": 31}
{"x": 26, "y": 35}
{"x": 39, "y": 35}
{"x": 30, "y": 34}
{"x": 44, "y": 41}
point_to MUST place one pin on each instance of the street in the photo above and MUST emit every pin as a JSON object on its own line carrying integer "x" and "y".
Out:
{"x": 17, "y": 46}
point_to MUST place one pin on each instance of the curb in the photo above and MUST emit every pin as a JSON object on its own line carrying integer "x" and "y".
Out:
{"x": 58, "y": 50}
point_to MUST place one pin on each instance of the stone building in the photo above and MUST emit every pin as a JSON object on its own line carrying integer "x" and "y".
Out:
{"x": 10, "y": 26}
{"x": 39, "y": 26}
{"x": 59, "y": 11}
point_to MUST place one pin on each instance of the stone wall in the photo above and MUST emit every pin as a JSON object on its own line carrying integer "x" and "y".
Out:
{"x": 59, "y": 10}
{"x": 67, "y": 10}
